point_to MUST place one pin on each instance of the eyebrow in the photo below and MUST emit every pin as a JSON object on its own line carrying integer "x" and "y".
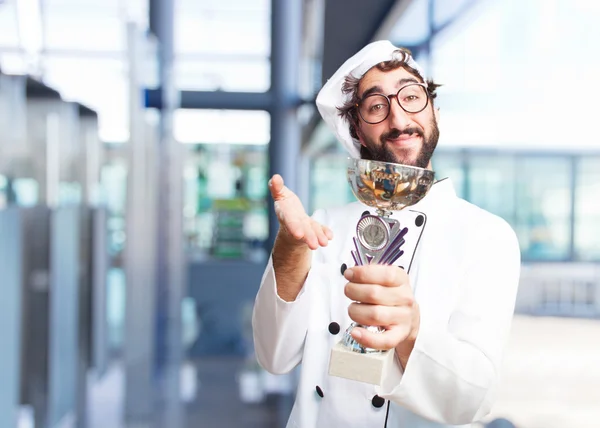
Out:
{"x": 378, "y": 90}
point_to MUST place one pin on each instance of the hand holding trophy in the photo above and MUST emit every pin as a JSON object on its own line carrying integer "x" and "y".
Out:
{"x": 379, "y": 239}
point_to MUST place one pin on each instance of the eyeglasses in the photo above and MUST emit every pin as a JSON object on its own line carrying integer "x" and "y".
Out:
{"x": 375, "y": 108}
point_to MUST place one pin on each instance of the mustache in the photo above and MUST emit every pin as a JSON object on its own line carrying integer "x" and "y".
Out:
{"x": 396, "y": 133}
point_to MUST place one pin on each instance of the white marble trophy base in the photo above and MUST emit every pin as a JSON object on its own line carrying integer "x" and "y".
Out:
{"x": 369, "y": 368}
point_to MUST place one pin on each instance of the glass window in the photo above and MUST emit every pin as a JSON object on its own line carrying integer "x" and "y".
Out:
{"x": 223, "y": 45}
{"x": 444, "y": 11}
{"x": 13, "y": 63}
{"x": 232, "y": 74}
{"x": 225, "y": 209}
{"x": 114, "y": 187}
{"x": 222, "y": 126}
{"x": 100, "y": 84}
{"x": 230, "y": 27}
{"x": 532, "y": 193}
{"x": 9, "y": 36}
{"x": 491, "y": 184}
{"x": 498, "y": 69}
{"x": 329, "y": 182}
{"x": 543, "y": 207}
{"x": 450, "y": 165}
{"x": 587, "y": 210}
{"x": 86, "y": 28}
{"x": 413, "y": 26}
{"x": 26, "y": 191}
{"x": 232, "y": 34}
{"x": 3, "y": 192}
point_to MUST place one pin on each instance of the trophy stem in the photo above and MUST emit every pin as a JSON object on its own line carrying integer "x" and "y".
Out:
{"x": 352, "y": 345}
{"x": 383, "y": 213}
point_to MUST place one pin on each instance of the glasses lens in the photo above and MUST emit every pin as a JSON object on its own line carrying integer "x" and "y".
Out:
{"x": 413, "y": 98}
{"x": 374, "y": 108}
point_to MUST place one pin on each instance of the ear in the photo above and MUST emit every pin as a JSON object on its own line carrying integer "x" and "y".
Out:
{"x": 436, "y": 112}
{"x": 359, "y": 134}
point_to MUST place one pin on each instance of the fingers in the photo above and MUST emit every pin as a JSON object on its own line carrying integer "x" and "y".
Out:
{"x": 388, "y": 276}
{"x": 328, "y": 232}
{"x": 377, "y": 295}
{"x": 311, "y": 235}
{"x": 319, "y": 235}
{"x": 308, "y": 231}
{"x": 383, "y": 341}
{"x": 323, "y": 233}
{"x": 386, "y": 299}
{"x": 379, "y": 315}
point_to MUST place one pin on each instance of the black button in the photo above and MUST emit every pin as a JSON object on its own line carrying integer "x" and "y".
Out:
{"x": 377, "y": 401}
{"x": 320, "y": 391}
{"x": 419, "y": 221}
{"x": 365, "y": 213}
{"x": 343, "y": 268}
{"x": 334, "y": 328}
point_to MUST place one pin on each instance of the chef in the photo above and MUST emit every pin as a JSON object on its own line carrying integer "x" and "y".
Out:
{"x": 447, "y": 303}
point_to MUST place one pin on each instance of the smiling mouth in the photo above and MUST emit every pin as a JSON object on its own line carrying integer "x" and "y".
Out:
{"x": 405, "y": 139}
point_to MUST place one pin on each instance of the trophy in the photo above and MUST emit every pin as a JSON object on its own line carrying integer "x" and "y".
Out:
{"x": 379, "y": 239}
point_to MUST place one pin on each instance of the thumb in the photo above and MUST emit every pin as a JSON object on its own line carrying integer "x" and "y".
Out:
{"x": 277, "y": 187}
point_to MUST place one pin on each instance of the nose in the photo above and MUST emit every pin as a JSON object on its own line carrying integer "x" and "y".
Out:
{"x": 398, "y": 118}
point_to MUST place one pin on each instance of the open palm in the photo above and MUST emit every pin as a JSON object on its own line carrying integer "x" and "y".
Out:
{"x": 294, "y": 222}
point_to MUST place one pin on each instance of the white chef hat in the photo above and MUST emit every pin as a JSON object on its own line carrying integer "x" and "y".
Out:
{"x": 331, "y": 97}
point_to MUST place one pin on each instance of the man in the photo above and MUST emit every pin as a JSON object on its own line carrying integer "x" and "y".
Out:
{"x": 446, "y": 314}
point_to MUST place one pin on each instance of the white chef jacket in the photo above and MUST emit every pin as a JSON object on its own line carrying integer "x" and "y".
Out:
{"x": 464, "y": 275}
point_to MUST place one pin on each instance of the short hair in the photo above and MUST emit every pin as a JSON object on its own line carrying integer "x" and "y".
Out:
{"x": 399, "y": 59}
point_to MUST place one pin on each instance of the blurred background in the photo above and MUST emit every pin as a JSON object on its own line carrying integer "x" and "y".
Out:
{"x": 136, "y": 141}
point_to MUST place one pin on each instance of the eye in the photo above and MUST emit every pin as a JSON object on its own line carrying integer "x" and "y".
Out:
{"x": 412, "y": 94}
{"x": 376, "y": 108}
{"x": 411, "y": 98}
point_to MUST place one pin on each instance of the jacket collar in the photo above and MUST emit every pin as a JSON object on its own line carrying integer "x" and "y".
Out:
{"x": 440, "y": 192}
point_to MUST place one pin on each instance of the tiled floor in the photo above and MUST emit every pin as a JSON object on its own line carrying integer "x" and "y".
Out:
{"x": 218, "y": 403}
{"x": 551, "y": 380}
{"x": 551, "y": 374}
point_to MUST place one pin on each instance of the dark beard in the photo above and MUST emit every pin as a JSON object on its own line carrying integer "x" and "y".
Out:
{"x": 382, "y": 152}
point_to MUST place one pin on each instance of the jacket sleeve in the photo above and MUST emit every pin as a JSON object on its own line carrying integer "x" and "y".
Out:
{"x": 280, "y": 327}
{"x": 453, "y": 371}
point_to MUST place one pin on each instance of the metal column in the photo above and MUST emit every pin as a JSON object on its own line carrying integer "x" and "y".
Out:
{"x": 170, "y": 252}
{"x": 11, "y": 272}
{"x": 286, "y": 48}
{"x": 140, "y": 300}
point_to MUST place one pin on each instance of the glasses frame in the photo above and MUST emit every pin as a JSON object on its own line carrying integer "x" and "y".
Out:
{"x": 389, "y": 100}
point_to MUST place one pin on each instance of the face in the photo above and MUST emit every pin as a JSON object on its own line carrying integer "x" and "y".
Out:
{"x": 404, "y": 138}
